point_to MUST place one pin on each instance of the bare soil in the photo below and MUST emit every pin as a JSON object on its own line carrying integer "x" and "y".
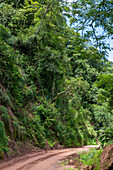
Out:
{"x": 43, "y": 160}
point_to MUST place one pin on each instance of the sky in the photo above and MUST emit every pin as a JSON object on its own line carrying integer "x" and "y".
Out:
{"x": 110, "y": 58}
{"x": 111, "y": 53}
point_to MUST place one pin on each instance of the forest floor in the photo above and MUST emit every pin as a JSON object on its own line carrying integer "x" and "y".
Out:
{"x": 43, "y": 160}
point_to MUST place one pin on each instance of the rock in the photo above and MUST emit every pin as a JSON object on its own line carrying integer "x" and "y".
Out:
{"x": 71, "y": 160}
{"x": 106, "y": 160}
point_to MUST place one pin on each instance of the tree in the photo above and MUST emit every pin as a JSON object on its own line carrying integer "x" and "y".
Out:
{"x": 92, "y": 16}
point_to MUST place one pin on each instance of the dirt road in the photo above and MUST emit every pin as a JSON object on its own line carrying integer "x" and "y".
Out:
{"x": 43, "y": 161}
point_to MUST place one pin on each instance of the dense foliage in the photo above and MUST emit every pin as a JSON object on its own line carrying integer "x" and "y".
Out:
{"x": 91, "y": 158}
{"x": 54, "y": 86}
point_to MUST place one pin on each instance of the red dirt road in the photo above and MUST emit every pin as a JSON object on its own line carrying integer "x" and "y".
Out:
{"x": 44, "y": 161}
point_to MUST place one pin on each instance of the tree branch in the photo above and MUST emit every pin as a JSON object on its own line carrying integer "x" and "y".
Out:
{"x": 63, "y": 92}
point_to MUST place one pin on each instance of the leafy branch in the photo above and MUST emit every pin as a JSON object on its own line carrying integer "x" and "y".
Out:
{"x": 67, "y": 90}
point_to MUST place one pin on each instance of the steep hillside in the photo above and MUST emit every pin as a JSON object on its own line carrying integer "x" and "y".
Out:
{"x": 53, "y": 86}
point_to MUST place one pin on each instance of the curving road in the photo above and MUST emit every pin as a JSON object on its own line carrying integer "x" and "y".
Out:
{"x": 44, "y": 161}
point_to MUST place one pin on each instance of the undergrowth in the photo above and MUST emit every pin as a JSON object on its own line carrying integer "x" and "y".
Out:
{"x": 92, "y": 157}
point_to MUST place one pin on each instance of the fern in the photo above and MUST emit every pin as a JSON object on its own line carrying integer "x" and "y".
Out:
{"x": 4, "y": 98}
{"x": 6, "y": 120}
{"x": 3, "y": 138}
{"x": 3, "y": 110}
{"x": 16, "y": 130}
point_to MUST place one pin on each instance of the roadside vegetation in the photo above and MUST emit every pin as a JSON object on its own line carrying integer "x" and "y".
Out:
{"x": 56, "y": 87}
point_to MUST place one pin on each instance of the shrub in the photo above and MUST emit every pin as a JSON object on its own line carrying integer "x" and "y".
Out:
{"x": 23, "y": 133}
{"x": 4, "y": 98}
{"x": 3, "y": 110}
{"x": 35, "y": 131}
{"x": 16, "y": 130}
{"x": 91, "y": 157}
{"x": 106, "y": 136}
{"x": 1, "y": 153}
{"x": 5, "y": 119}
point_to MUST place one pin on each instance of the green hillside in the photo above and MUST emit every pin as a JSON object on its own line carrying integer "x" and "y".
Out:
{"x": 55, "y": 87}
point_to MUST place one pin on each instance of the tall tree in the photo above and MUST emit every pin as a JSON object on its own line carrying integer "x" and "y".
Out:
{"x": 93, "y": 17}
